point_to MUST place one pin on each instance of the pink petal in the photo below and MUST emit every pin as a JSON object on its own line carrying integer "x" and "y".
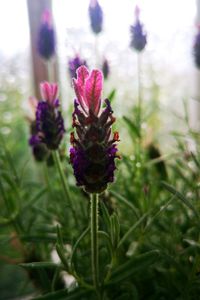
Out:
{"x": 79, "y": 85}
{"x": 93, "y": 3}
{"x": 33, "y": 103}
{"x": 47, "y": 17}
{"x": 93, "y": 88}
{"x": 82, "y": 74}
{"x": 49, "y": 91}
{"x": 137, "y": 12}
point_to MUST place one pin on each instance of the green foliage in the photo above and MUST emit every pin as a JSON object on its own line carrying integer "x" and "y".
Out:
{"x": 149, "y": 243}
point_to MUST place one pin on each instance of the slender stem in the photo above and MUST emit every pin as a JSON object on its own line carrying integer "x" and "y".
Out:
{"x": 64, "y": 183}
{"x": 50, "y": 70}
{"x": 94, "y": 199}
{"x": 139, "y": 90}
{"x": 96, "y": 51}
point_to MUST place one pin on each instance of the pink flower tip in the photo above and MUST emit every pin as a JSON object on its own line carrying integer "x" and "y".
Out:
{"x": 47, "y": 17}
{"x": 88, "y": 87}
{"x": 93, "y": 3}
{"x": 137, "y": 12}
{"x": 49, "y": 92}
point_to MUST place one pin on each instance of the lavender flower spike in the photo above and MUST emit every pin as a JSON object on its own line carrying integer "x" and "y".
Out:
{"x": 74, "y": 64}
{"x": 96, "y": 16}
{"x": 49, "y": 120}
{"x": 196, "y": 48}
{"x": 93, "y": 149}
{"x": 138, "y": 36}
{"x": 46, "y": 37}
{"x": 105, "y": 68}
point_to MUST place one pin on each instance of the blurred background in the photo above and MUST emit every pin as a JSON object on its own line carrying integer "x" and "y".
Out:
{"x": 167, "y": 61}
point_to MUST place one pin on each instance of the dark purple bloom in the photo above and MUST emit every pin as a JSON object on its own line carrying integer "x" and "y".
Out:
{"x": 96, "y": 16}
{"x": 39, "y": 150}
{"x": 138, "y": 36}
{"x": 49, "y": 121}
{"x": 105, "y": 68}
{"x": 46, "y": 37}
{"x": 196, "y": 49}
{"x": 74, "y": 64}
{"x": 93, "y": 149}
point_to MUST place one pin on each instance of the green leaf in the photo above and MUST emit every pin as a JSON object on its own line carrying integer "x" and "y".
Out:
{"x": 107, "y": 239}
{"x": 61, "y": 254}
{"x": 112, "y": 94}
{"x": 39, "y": 238}
{"x": 33, "y": 201}
{"x": 133, "y": 266}
{"x": 133, "y": 129}
{"x": 105, "y": 215}
{"x": 63, "y": 295}
{"x": 84, "y": 233}
{"x": 126, "y": 202}
{"x": 115, "y": 230}
{"x": 38, "y": 265}
{"x": 59, "y": 236}
{"x": 180, "y": 196}
{"x": 130, "y": 231}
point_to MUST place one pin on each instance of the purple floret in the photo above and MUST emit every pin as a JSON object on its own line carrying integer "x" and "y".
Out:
{"x": 96, "y": 17}
{"x": 46, "y": 41}
{"x": 138, "y": 37}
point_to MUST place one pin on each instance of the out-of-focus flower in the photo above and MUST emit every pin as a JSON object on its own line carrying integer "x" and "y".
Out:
{"x": 96, "y": 16}
{"x": 196, "y": 48}
{"x": 46, "y": 37}
{"x": 74, "y": 64}
{"x": 138, "y": 35}
{"x": 93, "y": 149}
{"x": 49, "y": 120}
{"x": 40, "y": 151}
{"x": 105, "y": 68}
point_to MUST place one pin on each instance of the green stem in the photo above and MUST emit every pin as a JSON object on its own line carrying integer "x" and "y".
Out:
{"x": 64, "y": 183}
{"x": 96, "y": 53}
{"x": 94, "y": 199}
{"x": 50, "y": 70}
{"x": 139, "y": 90}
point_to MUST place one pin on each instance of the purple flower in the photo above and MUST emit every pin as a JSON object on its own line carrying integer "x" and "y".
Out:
{"x": 39, "y": 150}
{"x": 49, "y": 121}
{"x": 96, "y": 16}
{"x": 196, "y": 49}
{"x": 93, "y": 149}
{"x": 74, "y": 64}
{"x": 46, "y": 37}
{"x": 138, "y": 36}
{"x": 105, "y": 68}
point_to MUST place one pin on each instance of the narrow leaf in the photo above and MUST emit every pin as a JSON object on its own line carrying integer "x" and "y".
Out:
{"x": 180, "y": 196}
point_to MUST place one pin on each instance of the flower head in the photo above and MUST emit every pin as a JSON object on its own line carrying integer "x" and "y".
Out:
{"x": 74, "y": 64}
{"x": 196, "y": 48}
{"x": 46, "y": 36}
{"x": 49, "y": 122}
{"x": 138, "y": 36}
{"x": 93, "y": 149}
{"x": 96, "y": 16}
{"x": 105, "y": 68}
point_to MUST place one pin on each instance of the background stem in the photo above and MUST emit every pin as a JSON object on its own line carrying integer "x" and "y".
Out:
{"x": 64, "y": 183}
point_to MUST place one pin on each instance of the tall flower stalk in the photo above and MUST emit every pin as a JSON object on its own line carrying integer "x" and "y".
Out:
{"x": 196, "y": 48}
{"x": 49, "y": 130}
{"x": 94, "y": 202}
{"x": 46, "y": 43}
{"x": 94, "y": 149}
{"x": 138, "y": 43}
{"x": 96, "y": 23}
